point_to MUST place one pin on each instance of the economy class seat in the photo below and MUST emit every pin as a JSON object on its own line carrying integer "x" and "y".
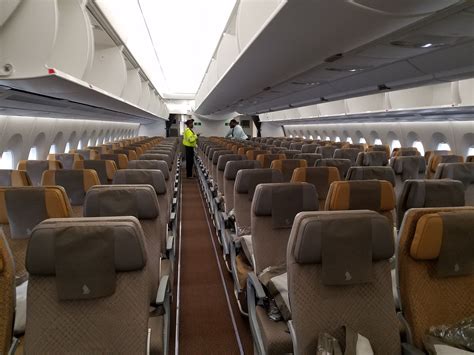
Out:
{"x": 252, "y": 154}
{"x": 435, "y": 160}
{"x": 430, "y": 153}
{"x": 14, "y": 178}
{"x": 35, "y": 168}
{"x": 347, "y": 153}
{"x": 21, "y": 209}
{"x": 429, "y": 193}
{"x": 156, "y": 179}
{"x": 76, "y": 183}
{"x": 291, "y": 153}
{"x": 372, "y": 173}
{"x": 321, "y": 177}
{"x": 100, "y": 149}
{"x": 296, "y": 146}
{"x": 463, "y": 172}
{"x": 373, "y": 158}
{"x": 287, "y": 166}
{"x": 105, "y": 169}
{"x": 406, "y": 152}
{"x": 434, "y": 254}
{"x": 121, "y": 160}
{"x": 343, "y": 165}
{"x": 66, "y": 159}
{"x": 230, "y": 172}
{"x": 221, "y": 165}
{"x": 374, "y": 195}
{"x": 139, "y": 201}
{"x": 86, "y": 154}
{"x": 278, "y": 150}
{"x": 274, "y": 208}
{"x": 309, "y": 148}
{"x": 215, "y": 159}
{"x": 339, "y": 276}
{"x": 380, "y": 148}
{"x": 470, "y": 159}
{"x": 7, "y": 295}
{"x": 267, "y": 159}
{"x": 310, "y": 158}
{"x": 66, "y": 299}
{"x": 407, "y": 168}
{"x": 131, "y": 154}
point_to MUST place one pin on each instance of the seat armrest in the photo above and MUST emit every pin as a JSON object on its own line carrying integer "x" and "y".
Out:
{"x": 254, "y": 282}
{"x": 162, "y": 290}
{"x": 169, "y": 242}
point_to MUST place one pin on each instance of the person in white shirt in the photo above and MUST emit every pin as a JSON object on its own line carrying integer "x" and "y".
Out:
{"x": 235, "y": 131}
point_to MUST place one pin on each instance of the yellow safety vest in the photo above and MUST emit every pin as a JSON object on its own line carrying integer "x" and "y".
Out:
{"x": 189, "y": 138}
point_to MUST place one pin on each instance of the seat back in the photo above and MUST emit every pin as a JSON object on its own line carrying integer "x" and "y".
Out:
{"x": 35, "y": 168}
{"x": 121, "y": 160}
{"x": 309, "y": 148}
{"x": 244, "y": 150}
{"x": 246, "y": 181}
{"x": 274, "y": 208}
{"x": 278, "y": 150}
{"x": 343, "y": 165}
{"x": 374, "y": 195}
{"x": 290, "y": 154}
{"x": 310, "y": 158}
{"x": 361, "y": 146}
{"x": 435, "y": 247}
{"x": 371, "y": 173}
{"x": 287, "y": 166}
{"x": 463, "y": 172}
{"x": 406, "y": 152}
{"x": 7, "y": 294}
{"x": 380, "y": 148}
{"x": 230, "y": 173}
{"x": 156, "y": 179}
{"x": 66, "y": 159}
{"x": 321, "y": 177}
{"x": 429, "y": 193}
{"x": 221, "y": 165}
{"x": 408, "y": 168}
{"x": 131, "y": 154}
{"x": 139, "y": 201}
{"x": 470, "y": 159}
{"x": 430, "y": 153}
{"x": 252, "y": 154}
{"x": 339, "y": 275}
{"x": 266, "y": 159}
{"x": 215, "y": 159}
{"x": 82, "y": 274}
{"x": 75, "y": 182}
{"x": 296, "y": 146}
{"x": 15, "y": 178}
{"x": 347, "y": 153}
{"x": 105, "y": 169}
{"x": 163, "y": 157}
{"x": 21, "y": 209}
{"x": 86, "y": 154}
{"x": 435, "y": 160}
{"x": 374, "y": 158}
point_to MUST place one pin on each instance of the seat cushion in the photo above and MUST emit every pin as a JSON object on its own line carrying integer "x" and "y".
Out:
{"x": 275, "y": 335}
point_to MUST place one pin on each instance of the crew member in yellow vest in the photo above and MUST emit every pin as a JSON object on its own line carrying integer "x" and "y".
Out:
{"x": 189, "y": 141}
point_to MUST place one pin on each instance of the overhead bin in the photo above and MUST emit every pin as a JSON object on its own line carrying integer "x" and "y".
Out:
{"x": 71, "y": 58}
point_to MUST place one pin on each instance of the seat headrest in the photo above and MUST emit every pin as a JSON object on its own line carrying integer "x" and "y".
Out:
{"x": 224, "y": 159}
{"x": 347, "y": 153}
{"x": 463, "y": 172}
{"x": 375, "y": 195}
{"x": 409, "y": 166}
{"x": 435, "y": 160}
{"x": 432, "y": 193}
{"x": 371, "y": 173}
{"x": 310, "y": 158}
{"x": 122, "y": 200}
{"x": 75, "y": 182}
{"x": 233, "y": 167}
{"x": 321, "y": 177}
{"x": 151, "y": 165}
{"x": 151, "y": 177}
{"x": 287, "y": 166}
{"x": 309, "y": 148}
{"x": 35, "y": 168}
{"x": 374, "y": 158}
{"x": 24, "y": 207}
{"x": 66, "y": 159}
{"x": 346, "y": 243}
{"x": 282, "y": 201}
{"x": 408, "y": 151}
{"x": 342, "y": 165}
{"x": 252, "y": 154}
{"x": 217, "y": 154}
{"x": 290, "y": 153}
{"x": 87, "y": 154}
{"x": 84, "y": 255}
{"x": 266, "y": 159}
{"x": 247, "y": 180}
{"x": 448, "y": 237}
{"x": 163, "y": 157}
{"x": 16, "y": 178}
{"x": 120, "y": 159}
{"x": 105, "y": 169}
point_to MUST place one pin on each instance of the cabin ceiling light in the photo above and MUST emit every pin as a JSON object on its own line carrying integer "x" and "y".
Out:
{"x": 416, "y": 44}
{"x": 347, "y": 69}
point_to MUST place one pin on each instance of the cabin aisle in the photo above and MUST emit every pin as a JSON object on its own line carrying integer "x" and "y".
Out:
{"x": 206, "y": 325}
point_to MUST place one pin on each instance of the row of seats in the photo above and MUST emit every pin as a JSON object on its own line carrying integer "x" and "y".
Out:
{"x": 107, "y": 245}
{"x": 254, "y": 204}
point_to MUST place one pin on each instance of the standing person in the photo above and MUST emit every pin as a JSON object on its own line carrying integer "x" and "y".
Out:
{"x": 235, "y": 131}
{"x": 189, "y": 141}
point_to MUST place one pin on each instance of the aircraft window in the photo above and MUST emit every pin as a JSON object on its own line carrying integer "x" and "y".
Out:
{"x": 318, "y": 138}
{"x": 52, "y": 150}
{"x": 291, "y": 136}
{"x": 67, "y": 148}
{"x": 362, "y": 140}
{"x": 304, "y": 137}
{"x": 79, "y": 145}
{"x": 378, "y": 141}
{"x": 349, "y": 140}
{"x": 396, "y": 144}
{"x": 311, "y": 137}
{"x": 443, "y": 146}
{"x": 6, "y": 161}
{"x": 338, "y": 139}
{"x": 418, "y": 145}
{"x": 91, "y": 143}
{"x": 33, "y": 155}
{"x": 327, "y": 139}
{"x": 470, "y": 151}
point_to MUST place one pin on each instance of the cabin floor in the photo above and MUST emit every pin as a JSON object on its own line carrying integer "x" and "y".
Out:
{"x": 208, "y": 320}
